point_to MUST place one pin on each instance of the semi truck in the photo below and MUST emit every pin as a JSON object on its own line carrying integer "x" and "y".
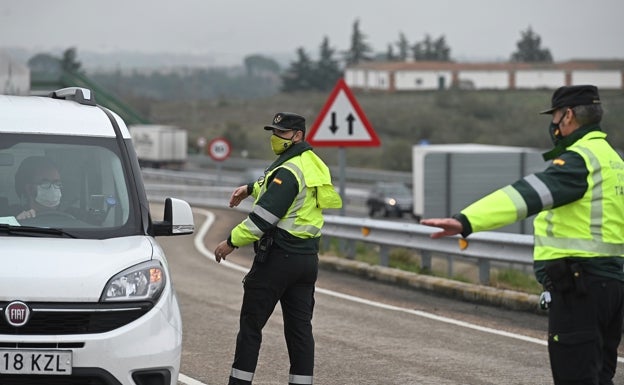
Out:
{"x": 448, "y": 177}
{"x": 159, "y": 146}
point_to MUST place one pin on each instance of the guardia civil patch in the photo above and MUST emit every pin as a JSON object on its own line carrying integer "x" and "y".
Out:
{"x": 277, "y": 180}
{"x": 559, "y": 162}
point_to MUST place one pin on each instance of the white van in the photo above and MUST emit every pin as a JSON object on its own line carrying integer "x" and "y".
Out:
{"x": 85, "y": 291}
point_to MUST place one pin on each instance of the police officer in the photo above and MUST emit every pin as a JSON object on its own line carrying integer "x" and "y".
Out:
{"x": 285, "y": 226}
{"x": 579, "y": 237}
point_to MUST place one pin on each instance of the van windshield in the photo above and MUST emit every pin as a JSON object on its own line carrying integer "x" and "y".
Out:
{"x": 72, "y": 183}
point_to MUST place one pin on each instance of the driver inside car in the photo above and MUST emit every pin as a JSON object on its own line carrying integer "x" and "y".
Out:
{"x": 38, "y": 185}
{"x": 39, "y": 188}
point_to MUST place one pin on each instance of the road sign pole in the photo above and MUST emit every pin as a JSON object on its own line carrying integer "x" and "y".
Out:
{"x": 342, "y": 166}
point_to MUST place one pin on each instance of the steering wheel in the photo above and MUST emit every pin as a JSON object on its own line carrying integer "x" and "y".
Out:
{"x": 54, "y": 213}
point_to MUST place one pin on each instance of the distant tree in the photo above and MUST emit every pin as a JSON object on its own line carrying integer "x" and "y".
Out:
{"x": 327, "y": 70}
{"x": 529, "y": 49}
{"x": 69, "y": 61}
{"x": 442, "y": 50}
{"x": 300, "y": 75}
{"x": 259, "y": 65}
{"x": 359, "y": 50}
{"x": 403, "y": 46}
{"x": 390, "y": 56}
{"x": 429, "y": 49}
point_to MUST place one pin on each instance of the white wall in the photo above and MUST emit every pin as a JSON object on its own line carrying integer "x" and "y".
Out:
{"x": 421, "y": 80}
{"x": 540, "y": 79}
{"x": 485, "y": 79}
{"x": 415, "y": 80}
{"x": 355, "y": 78}
{"x": 601, "y": 79}
{"x": 378, "y": 80}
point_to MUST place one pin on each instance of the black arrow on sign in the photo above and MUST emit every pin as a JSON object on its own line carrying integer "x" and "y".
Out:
{"x": 333, "y": 128}
{"x": 350, "y": 119}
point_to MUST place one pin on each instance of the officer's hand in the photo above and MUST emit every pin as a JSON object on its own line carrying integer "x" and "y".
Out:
{"x": 222, "y": 251}
{"x": 450, "y": 226}
{"x": 238, "y": 195}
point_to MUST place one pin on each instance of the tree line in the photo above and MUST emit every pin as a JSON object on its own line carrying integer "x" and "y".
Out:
{"x": 305, "y": 74}
{"x": 262, "y": 75}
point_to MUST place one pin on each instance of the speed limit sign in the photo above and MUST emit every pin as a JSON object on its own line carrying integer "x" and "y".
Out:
{"x": 219, "y": 149}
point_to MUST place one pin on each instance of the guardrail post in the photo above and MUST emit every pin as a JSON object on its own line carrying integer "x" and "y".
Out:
{"x": 484, "y": 271}
{"x": 325, "y": 243}
{"x": 384, "y": 258}
{"x": 449, "y": 265}
{"x": 350, "y": 249}
{"x": 425, "y": 261}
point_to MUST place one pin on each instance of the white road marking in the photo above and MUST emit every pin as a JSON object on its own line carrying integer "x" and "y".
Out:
{"x": 199, "y": 245}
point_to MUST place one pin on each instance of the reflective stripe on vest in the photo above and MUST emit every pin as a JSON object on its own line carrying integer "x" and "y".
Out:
{"x": 289, "y": 222}
{"x": 542, "y": 191}
{"x": 518, "y": 202}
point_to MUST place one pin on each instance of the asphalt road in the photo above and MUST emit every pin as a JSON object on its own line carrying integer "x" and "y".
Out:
{"x": 366, "y": 332}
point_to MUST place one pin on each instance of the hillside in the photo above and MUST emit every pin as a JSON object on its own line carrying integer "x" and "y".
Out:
{"x": 400, "y": 120}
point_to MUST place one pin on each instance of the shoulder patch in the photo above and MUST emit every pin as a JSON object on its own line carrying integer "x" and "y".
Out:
{"x": 277, "y": 180}
{"x": 558, "y": 162}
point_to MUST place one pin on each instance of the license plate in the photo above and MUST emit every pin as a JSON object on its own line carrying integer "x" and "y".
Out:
{"x": 57, "y": 362}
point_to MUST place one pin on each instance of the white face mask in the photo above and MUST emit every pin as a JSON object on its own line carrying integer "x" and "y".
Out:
{"x": 48, "y": 197}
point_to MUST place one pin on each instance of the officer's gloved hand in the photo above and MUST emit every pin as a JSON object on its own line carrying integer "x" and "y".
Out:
{"x": 544, "y": 300}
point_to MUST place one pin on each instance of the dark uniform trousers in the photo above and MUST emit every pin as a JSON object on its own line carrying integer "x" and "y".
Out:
{"x": 584, "y": 331}
{"x": 289, "y": 279}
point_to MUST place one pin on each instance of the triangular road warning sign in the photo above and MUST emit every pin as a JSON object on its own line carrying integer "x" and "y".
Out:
{"x": 342, "y": 122}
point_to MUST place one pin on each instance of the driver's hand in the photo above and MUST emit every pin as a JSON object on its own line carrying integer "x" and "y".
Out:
{"x": 27, "y": 214}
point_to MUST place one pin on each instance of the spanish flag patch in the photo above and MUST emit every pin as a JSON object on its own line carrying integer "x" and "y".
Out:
{"x": 277, "y": 180}
{"x": 559, "y": 162}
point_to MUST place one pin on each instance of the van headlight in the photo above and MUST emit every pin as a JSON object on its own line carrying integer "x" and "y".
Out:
{"x": 141, "y": 282}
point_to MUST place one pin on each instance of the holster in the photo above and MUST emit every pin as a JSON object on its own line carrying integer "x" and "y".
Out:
{"x": 564, "y": 276}
{"x": 262, "y": 246}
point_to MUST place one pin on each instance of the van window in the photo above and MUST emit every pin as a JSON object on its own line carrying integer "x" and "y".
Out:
{"x": 90, "y": 178}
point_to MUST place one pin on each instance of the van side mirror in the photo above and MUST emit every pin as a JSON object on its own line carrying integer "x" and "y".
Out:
{"x": 177, "y": 219}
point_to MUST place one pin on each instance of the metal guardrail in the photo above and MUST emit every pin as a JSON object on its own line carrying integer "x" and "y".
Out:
{"x": 353, "y": 174}
{"x": 484, "y": 248}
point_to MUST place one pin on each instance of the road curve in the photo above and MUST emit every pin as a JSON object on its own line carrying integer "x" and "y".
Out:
{"x": 366, "y": 332}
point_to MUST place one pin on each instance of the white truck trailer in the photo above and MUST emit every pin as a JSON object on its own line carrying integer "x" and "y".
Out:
{"x": 448, "y": 177}
{"x": 159, "y": 145}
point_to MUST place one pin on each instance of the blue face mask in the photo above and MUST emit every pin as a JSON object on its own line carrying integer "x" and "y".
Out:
{"x": 48, "y": 196}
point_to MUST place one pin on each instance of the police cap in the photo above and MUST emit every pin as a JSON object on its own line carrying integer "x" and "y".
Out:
{"x": 286, "y": 121}
{"x": 572, "y": 96}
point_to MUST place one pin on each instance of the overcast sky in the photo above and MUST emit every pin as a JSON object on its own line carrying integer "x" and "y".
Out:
{"x": 474, "y": 29}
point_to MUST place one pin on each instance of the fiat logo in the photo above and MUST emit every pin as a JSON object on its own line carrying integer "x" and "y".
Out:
{"x": 17, "y": 313}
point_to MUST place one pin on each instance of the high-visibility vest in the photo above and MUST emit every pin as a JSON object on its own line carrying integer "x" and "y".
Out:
{"x": 304, "y": 218}
{"x": 592, "y": 226}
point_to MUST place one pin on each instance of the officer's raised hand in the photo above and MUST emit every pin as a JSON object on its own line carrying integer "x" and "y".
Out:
{"x": 238, "y": 195}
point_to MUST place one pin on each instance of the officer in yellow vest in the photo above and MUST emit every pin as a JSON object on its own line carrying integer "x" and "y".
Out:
{"x": 285, "y": 226}
{"x": 579, "y": 237}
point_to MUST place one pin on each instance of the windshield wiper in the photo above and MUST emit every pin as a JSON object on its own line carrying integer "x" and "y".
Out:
{"x": 31, "y": 231}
